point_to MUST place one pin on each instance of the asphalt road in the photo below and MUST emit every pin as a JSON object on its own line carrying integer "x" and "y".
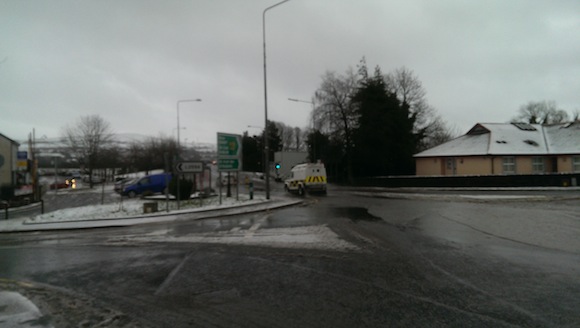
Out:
{"x": 345, "y": 260}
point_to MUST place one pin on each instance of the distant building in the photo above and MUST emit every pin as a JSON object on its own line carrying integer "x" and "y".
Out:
{"x": 505, "y": 148}
{"x": 284, "y": 161}
{"x": 8, "y": 160}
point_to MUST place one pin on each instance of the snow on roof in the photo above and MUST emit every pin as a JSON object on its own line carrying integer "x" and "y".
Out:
{"x": 467, "y": 145}
{"x": 563, "y": 138}
{"x": 511, "y": 139}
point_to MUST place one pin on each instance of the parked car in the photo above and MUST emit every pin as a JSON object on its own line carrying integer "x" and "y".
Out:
{"x": 96, "y": 179}
{"x": 120, "y": 184}
{"x": 155, "y": 183}
{"x": 58, "y": 185}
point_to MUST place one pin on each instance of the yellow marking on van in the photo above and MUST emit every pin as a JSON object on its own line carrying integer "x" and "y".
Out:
{"x": 312, "y": 179}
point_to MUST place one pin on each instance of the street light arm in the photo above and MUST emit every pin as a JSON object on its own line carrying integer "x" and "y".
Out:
{"x": 302, "y": 101}
{"x": 274, "y": 5}
{"x": 178, "y": 128}
{"x": 187, "y": 100}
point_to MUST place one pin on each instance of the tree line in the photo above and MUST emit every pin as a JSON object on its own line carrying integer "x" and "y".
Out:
{"x": 362, "y": 124}
{"x": 543, "y": 112}
{"x": 370, "y": 123}
{"x": 92, "y": 145}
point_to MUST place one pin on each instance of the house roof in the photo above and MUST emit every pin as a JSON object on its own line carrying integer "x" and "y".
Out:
{"x": 10, "y": 140}
{"x": 511, "y": 139}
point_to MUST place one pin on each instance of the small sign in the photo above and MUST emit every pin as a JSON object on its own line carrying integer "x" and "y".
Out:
{"x": 189, "y": 167}
{"x": 228, "y": 164}
{"x": 22, "y": 159}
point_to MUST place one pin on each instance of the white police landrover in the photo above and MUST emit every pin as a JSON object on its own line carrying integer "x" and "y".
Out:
{"x": 309, "y": 177}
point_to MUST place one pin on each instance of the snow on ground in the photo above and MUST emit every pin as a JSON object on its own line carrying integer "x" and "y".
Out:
{"x": 309, "y": 237}
{"x": 134, "y": 208}
{"x": 502, "y": 197}
{"x": 18, "y": 311}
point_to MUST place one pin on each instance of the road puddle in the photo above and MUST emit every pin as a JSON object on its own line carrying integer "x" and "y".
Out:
{"x": 356, "y": 214}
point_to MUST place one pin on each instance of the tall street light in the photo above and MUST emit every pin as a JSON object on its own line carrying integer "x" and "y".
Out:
{"x": 312, "y": 127}
{"x": 178, "y": 128}
{"x": 266, "y": 147}
{"x": 178, "y": 142}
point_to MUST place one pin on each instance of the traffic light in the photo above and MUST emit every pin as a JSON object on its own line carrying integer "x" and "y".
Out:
{"x": 277, "y": 166}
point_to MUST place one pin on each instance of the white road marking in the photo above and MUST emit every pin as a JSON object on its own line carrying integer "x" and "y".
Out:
{"x": 255, "y": 227}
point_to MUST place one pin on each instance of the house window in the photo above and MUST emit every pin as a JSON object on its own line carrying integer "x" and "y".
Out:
{"x": 576, "y": 163}
{"x": 538, "y": 165}
{"x": 509, "y": 165}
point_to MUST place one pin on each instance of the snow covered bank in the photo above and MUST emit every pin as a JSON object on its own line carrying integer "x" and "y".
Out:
{"x": 129, "y": 208}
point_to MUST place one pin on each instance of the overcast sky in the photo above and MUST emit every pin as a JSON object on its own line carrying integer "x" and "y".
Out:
{"x": 131, "y": 61}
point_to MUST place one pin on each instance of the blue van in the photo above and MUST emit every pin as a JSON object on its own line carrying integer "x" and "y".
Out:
{"x": 155, "y": 183}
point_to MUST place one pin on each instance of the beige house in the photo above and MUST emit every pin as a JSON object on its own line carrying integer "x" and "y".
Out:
{"x": 8, "y": 157}
{"x": 505, "y": 148}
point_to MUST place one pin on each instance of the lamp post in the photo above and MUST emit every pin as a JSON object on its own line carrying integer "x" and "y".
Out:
{"x": 178, "y": 143}
{"x": 175, "y": 130}
{"x": 178, "y": 128}
{"x": 312, "y": 127}
{"x": 266, "y": 147}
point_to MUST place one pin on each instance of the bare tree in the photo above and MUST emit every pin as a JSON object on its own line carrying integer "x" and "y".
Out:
{"x": 291, "y": 137}
{"x": 541, "y": 112}
{"x": 286, "y": 135}
{"x": 438, "y": 132}
{"x": 428, "y": 126}
{"x": 150, "y": 154}
{"x": 406, "y": 86}
{"x": 87, "y": 138}
{"x": 298, "y": 139}
{"x": 335, "y": 113}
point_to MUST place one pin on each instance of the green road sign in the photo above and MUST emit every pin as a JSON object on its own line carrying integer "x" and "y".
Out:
{"x": 229, "y": 145}
{"x": 229, "y": 152}
{"x": 231, "y": 164}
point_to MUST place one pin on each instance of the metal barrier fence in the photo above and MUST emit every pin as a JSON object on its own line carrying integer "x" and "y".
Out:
{"x": 7, "y": 213}
{"x": 517, "y": 180}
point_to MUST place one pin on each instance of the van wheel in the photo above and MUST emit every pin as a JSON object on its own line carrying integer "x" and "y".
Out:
{"x": 131, "y": 194}
{"x": 300, "y": 190}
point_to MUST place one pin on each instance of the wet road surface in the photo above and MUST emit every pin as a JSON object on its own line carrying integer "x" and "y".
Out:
{"x": 338, "y": 261}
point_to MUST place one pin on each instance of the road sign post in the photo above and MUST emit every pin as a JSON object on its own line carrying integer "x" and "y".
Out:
{"x": 229, "y": 154}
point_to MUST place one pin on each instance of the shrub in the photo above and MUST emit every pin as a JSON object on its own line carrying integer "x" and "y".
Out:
{"x": 185, "y": 188}
{"x": 6, "y": 192}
